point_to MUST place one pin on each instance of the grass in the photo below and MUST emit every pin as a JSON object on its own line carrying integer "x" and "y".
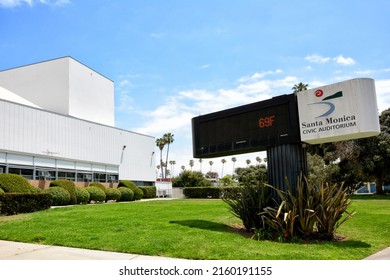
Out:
{"x": 190, "y": 229}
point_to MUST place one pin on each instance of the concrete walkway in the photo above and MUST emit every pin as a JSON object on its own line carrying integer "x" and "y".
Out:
{"x": 24, "y": 251}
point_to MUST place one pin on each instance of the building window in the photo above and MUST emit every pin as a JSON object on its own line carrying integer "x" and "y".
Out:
{"x": 46, "y": 175}
{"x": 66, "y": 175}
{"x": 25, "y": 172}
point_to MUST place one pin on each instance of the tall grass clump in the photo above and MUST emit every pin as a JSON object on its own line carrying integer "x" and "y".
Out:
{"x": 311, "y": 211}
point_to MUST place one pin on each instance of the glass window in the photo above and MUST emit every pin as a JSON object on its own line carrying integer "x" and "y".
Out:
{"x": 26, "y": 173}
{"x": 66, "y": 175}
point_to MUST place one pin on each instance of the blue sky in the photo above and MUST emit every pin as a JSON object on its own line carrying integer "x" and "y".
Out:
{"x": 172, "y": 60}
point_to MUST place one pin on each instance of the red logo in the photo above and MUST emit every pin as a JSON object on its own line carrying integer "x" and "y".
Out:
{"x": 319, "y": 93}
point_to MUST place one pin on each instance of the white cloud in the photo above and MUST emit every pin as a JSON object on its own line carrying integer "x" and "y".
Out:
{"x": 257, "y": 75}
{"x": 315, "y": 58}
{"x": 383, "y": 94}
{"x": 15, "y": 3}
{"x": 344, "y": 60}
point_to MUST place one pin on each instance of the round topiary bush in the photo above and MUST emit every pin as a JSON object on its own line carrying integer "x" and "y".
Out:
{"x": 138, "y": 193}
{"x": 67, "y": 185}
{"x": 13, "y": 183}
{"x": 99, "y": 185}
{"x": 59, "y": 195}
{"x": 126, "y": 194}
{"x": 82, "y": 195}
{"x": 113, "y": 194}
{"x": 36, "y": 189}
{"x": 96, "y": 194}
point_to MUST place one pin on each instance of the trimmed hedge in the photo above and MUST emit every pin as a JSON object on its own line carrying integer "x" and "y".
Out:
{"x": 126, "y": 194}
{"x": 113, "y": 194}
{"x": 99, "y": 185}
{"x": 82, "y": 195}
{"x": 15, "y": 203}
{"x": 209, "y": 192}
{"x": 13, "y": 183}
{"x": 67, "y": 185}
{"x": 138, "y": 193}
{"x": 96, "y": 194}
{"x": 59, "y": 195}
{"x": 148, "y": 191}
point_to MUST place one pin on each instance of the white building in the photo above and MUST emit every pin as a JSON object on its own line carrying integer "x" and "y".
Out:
{"x": 57, "y": 122}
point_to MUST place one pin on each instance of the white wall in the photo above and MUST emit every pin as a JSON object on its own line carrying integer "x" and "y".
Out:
{"x": 64, "y": 86}
{"x": 91, "y": 96}
{"x": 44, "y": 84}
{"x": 35, "y": 132}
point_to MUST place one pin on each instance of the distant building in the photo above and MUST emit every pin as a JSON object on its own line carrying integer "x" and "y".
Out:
{"x": 57, "y": 122}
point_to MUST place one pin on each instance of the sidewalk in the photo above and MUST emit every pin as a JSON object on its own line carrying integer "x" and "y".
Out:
{"x": 24, "y": 251}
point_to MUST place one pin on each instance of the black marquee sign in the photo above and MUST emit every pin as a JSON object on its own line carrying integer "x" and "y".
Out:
{"x": 247, "y": 128}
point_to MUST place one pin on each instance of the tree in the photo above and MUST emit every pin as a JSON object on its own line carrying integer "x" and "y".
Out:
{"x": 191, "y": 163}
{"x": 258, "y": 159}
{"x": 200, "y": 162}
{"x": 168, "y": 139}
{"x": 211, "y": 165}
{"x": 252, "y": 175}
{"x": 188, "y": 179}
{"x": 234, "y": 163}
{"x": 160, "y": 143}
{"x": 248, "y": 161}
{"x": 299, "y": 87}
{"x": 223, "y": 163}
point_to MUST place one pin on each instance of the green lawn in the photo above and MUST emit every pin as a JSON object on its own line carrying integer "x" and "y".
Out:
{"x": 191, "y": 229}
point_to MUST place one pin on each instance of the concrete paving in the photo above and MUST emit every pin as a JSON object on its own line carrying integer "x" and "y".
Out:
{"x": 24, "y": 251}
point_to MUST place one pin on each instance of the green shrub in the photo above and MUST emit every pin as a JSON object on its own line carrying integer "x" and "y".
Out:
{"x": 67, "y": 185}
{"x": 189, "y": 179}
{"x": 99, "y": 185}
{"x": 59, "y": 195}
{"x": 96, "y": 194}
{"x": 148, "y": 191}
{"x": 13, "y": 183}
{"x": 113, "y": 194}
{"x": 202, "y": 192}
{"x": 311, "y": 212}
{"x": 82, "y": 195}
{"x": 247, "y": 203}
{"x": 15, "y": 203}
{"x": 138, "y": 194}
{"x": 126, "y": 194}
{"x": 1, "y": 191}
{"x": 36, "y": 189}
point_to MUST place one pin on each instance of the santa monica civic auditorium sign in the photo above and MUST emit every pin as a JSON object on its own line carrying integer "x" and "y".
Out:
{"x": 342, "y": 111}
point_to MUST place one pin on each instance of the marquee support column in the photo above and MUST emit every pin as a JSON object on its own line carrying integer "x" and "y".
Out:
{"x": 285, "y": 163}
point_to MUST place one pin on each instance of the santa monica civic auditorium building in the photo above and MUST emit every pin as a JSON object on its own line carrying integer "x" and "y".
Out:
{"x": 57, "y": 122}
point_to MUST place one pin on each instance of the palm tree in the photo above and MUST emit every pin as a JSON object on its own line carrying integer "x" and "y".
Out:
{"x": 168, "y": 139}
{"x": 183, "y": 167}
{"x": 248, "y": 161}
{"x": 211, "y": 164}
{"x": 234, "y": 163}
{"x": 223, "y": 163}
{"x": 200, "y": 161}
{"x": 191, "y": 163}
{"x": 299, "y": 87}
{"x": 258, "y": 159}
{"x": 160, "y": 143}
{"x": 158, "y": 171}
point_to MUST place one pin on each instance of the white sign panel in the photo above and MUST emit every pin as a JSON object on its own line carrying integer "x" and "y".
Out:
{"x": 342, "y": 111}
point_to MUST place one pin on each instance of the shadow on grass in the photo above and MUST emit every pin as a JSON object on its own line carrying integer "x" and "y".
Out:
{"x": 202, "y": 224}
{"x": 213, "y": 226}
